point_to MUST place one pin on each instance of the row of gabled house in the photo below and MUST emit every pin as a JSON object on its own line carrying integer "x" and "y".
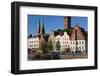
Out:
{"x": 74, "y": 40}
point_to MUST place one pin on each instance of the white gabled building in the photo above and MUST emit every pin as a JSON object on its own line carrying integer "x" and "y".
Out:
{"x": 64, "y": 41}
{"x": 67, "y": 43}
{"x": 33, "y": 42}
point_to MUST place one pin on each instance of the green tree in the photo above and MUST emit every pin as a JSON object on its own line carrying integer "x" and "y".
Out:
{"x": 67, "y": 30}
{"x": 43, "y": 47}
{"x": 58, "y": 46}
{"x": 49, "y": 46}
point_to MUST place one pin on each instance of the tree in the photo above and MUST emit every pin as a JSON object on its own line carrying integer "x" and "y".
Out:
{"x": 67, "y": 30}
{"x": 58, "y": 46}
{"x": 49, "y": 46}
{"x": 43, "y": 47}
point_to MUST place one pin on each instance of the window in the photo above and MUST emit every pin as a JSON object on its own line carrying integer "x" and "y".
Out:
{"x": 77, "y": 42}
{"x": 35, "y": 45}
{"x": 31, "y": 45}
{"x": 71, "y": 42}
{"x": 77, "y": 48}
{"x": 82, "y": 42}
{"x": 82, "y": 48}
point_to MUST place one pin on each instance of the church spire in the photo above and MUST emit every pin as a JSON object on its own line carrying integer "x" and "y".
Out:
{"x": 43, "y": 29}
{"x": 39, "y": 27}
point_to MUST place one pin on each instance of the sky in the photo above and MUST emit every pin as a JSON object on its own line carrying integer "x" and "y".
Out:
{"x": 53, "y": 23}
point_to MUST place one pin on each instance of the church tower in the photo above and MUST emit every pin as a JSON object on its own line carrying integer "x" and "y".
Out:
{"x": 41, "y": 28}
{"x": 67, "y": 22}
{"x": 42, "y": 33}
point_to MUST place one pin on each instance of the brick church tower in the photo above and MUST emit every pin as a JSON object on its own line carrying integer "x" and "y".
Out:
{"x": 67, "y": 22}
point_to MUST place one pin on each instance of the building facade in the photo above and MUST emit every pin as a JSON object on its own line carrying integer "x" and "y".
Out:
{"x": 33, "y": 42}
{"x": 64, "y": 41}
{"x": 78, "y": 41}
{"x": 52, "y": 39}
{"x": 74, "y": 41}
{"x": 79, "y": 45}
{"x": 72, "y": 44}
